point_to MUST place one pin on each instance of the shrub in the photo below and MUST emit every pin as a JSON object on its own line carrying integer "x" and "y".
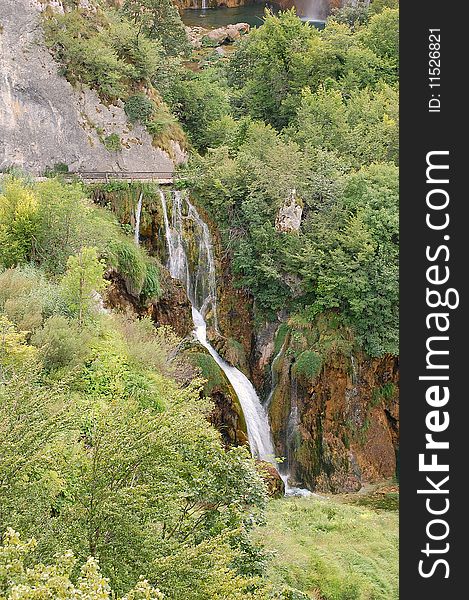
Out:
{"x": 27, "y": 298}
{"x": 55, "y": 581}
{"x": 308, "y": 364}
{"x": 151, "y": 288}
{"x": 129, "y": 260}
{"x": 139, "y": 108}
{"x": 61, "y": 343}
{"x": 113, "y": 142}
{"x": 18, "y": 222}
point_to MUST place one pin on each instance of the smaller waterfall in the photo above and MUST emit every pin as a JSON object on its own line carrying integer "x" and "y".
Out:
{"x": 204, "y": 4}
{"x": 138, "y": 214}
{"x": 256, "y": 418}
{"x": 313, "y": 10}
{"x": 274, "y": 374}
{"x": 201, "y": 284}
{"x": 291, "y": 431}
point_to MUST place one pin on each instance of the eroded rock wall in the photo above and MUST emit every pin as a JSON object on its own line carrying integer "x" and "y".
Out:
{"x": 45, "y": 121}
{"x": 340, "y": 429}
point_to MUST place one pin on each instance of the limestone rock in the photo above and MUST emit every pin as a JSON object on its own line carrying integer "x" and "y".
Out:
{"x": 275, "y": 485}
{"x": 228, "y": 34}
{"x": 289, "y": 215}
{"x": 45, "y": 121}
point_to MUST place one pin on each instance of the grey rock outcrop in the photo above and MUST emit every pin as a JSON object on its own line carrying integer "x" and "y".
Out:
{"x": 45, "y": 121}
{"x": 289, "y": 215}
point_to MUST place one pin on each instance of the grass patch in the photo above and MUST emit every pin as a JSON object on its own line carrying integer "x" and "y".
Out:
{"x": 329, "y": 550}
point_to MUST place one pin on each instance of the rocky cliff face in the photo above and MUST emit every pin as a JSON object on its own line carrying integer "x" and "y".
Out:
{"x": 45, "y": 121}
{"x": 334, "y": 413}
{"x": 338, "y": 429}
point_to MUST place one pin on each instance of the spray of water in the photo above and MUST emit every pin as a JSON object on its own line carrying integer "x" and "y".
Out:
{"x": 313, "y": 10}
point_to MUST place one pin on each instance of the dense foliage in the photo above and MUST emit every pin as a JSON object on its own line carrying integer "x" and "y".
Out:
{"x": 48, "y": 222}
{"x": 109, "y": 470}
{"x": 105, "y": 446}
{"x": 129, "y": 54}
{"x": 311, "y": 126}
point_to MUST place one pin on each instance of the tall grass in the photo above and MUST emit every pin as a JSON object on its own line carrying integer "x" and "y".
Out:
{"x": 332, "y": 551}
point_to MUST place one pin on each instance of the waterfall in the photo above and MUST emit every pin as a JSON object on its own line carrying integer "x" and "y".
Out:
{"x": 204, "y": 4}
{"x": 138, "y": 214}
{"x": 200, "y": 283}
{"x": 260, "y": 439}
{"x": 291, "y": 431}
{"x": 274, "y": 375}
{"x": 354, "y": 369}
{"x": 201, "y": 291}
{"x": 313, "y": 10}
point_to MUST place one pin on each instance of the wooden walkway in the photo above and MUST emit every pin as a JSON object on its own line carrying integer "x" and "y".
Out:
{"x": 160, "y": 177}
{"x": 163, "y": 178}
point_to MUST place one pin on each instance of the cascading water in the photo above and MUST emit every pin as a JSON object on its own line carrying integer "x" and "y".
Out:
{"x": 201, "y": 291}
{"x": 138, "y": 214}
{"x": 257, "y": 422}
{"x": 274, "y": 374}
{"x": 313, "y": 10}
{"x": 291, "y": 431}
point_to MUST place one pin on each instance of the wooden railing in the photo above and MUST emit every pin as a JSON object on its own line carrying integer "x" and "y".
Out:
{"x": 99, "y": 176}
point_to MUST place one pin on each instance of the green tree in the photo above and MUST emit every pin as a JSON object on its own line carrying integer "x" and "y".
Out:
{"x": 84, "y": 278}
{"x": 55, "y": 581}
{"x": 18, "y": 222}
{"x": 382, "y": 35}
{"x": 198, "y": 100}
{"x": 159, "y": 19}
{"x": 63, "y": 223}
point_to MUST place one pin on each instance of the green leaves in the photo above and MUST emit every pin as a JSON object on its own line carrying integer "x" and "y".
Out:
{"x": 55, "y": 580}
{"x": 277, "y": 62}
{"x": 83, "y": 279}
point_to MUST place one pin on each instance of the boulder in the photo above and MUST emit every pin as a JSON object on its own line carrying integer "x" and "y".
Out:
{"x": 228, "y": 34}
{"x": 289, "y": 215}
{"x": 271, "y": 477}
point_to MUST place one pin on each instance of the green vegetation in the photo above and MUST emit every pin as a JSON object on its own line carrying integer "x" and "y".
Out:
{"x": 46, "y": 223}
{"x": 20, "y": 581}
{"x": 325, "y": 549}
{"x": 113, "y": 142}
{"x": 307, "y": 121}
{"x": 105, "y": 446}
{"x": 127, "y": 55}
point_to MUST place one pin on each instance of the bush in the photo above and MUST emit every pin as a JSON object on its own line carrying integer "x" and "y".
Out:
{"x": 18, "y": 222}
{"x": 308, "y": 364}
{"x": 55, "y": 581}
{"x": 151, "y": 288}
{"x": 129, "y": 260}
{"x": 139, "y": 108}
{"x": 113, "y": 142}
{"x": 61, "y": 343}
{"x": 27, "y": 298}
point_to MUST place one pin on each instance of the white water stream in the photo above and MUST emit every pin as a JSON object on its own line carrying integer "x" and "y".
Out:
{"x": 201, "y": 291}
{"x": 138, "y": 214}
